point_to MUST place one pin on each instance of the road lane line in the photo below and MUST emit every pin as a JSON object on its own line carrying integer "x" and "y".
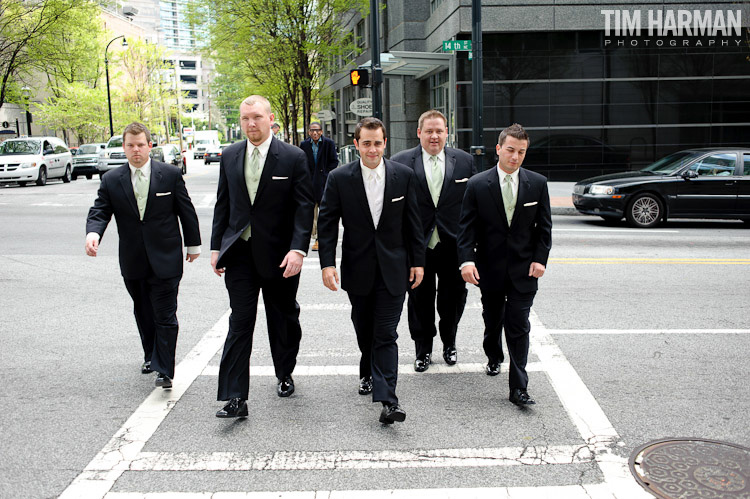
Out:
{"x": 585, "y": 412}
{"x": 353, "y": 370}
{"x": 640, "y": 231}
{"x": 645, "y": 260}
{"x": 207, "y": 201}
{"x": 104, "y": 470}
{"x": 648, "y": 331}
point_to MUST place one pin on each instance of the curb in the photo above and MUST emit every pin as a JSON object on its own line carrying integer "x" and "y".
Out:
{"x": 565, "y": 210}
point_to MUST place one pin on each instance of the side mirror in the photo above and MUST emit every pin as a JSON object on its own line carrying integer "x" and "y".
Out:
{"x": 690, "y": 174}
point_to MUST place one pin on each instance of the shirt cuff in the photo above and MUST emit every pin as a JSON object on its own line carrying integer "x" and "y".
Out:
{"x": 193, "y": 250}
{"x": 93, "y": 236}
{"x": 464, "y": 265}
{"x": 300, "y": 252}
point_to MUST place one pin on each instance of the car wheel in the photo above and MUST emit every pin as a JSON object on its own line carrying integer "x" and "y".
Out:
{"x": 73, "y": 176}
{"x": 89, "y": 176}
{"x": 67, "y": 175}
{"x": 184, "y": 169}
{"x": 42, "y": 180}
{"x": 645, "y": 211}
{"x": 22, "y": 184}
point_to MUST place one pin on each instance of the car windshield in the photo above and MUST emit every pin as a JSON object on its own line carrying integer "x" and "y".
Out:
{"x": 20, "y": 147}
{"x": 671, "y": 163}
{"x": 115, "y": 142}
{"x": 87, "y": 149}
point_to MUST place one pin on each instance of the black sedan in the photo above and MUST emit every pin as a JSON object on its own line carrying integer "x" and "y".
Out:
{"x": 696, "y": 183}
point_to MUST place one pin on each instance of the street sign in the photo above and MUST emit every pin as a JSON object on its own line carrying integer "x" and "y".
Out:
{"x": 326, "y": 115}
{"x": 449, "y": 45}
{"x": 361, "y": 107}
{"x": 5, "y": 124}
{"x": 186, "y": 131}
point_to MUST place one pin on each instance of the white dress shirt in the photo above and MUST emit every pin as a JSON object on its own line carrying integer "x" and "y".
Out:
{"x": 146, "y": 169}
{"x": 428, "y": 164}
{"x": 374, "y": 180}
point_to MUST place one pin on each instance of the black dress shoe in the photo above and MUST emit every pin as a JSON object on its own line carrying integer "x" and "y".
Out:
{"x": 285, "y": 387}
{"x": 236, "y": 408}
{"x": 365, "y": 385}
{"x": 146, "y": 367}
{"x": 520, "y": 397}
{"x": 493, "y": 368}
{"x": 391, "y": 413}
{"x": 421, "y": 365}
{"x": 450, "y": 356}
{"x": 163, "y": 381}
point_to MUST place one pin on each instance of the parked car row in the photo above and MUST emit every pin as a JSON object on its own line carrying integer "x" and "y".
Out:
{"x": 37, "y": 159}
{"x": 695, "y": 183}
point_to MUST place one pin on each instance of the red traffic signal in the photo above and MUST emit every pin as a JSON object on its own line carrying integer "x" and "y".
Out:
{"x": 359, "y": 77}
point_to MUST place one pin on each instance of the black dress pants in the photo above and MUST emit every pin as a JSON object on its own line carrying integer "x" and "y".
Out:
{"x": 282, "y": 317}
{"x": 441, "y": 265}
{"x": 155, "y": 309}
{"x": 508, "y": 309}
{"x": 375, "y": 317}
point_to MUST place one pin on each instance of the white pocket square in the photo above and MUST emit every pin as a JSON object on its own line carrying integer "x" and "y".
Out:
{"x": 531, "y": 203}
{"x": 279, "y": 178}
{"x": 163, "y": 194}
{"x": 462, "y": 180}
{"x": 397, "y": 199}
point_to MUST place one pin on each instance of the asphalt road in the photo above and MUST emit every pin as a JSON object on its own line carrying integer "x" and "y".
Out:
{"x": 637, "y": 335}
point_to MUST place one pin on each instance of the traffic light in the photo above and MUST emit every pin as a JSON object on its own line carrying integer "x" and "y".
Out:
{"x": 359, "y": 77}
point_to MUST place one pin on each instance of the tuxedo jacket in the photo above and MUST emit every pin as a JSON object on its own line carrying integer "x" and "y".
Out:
{"x": 281, "y": 217}
{"x": 393, "y": 247}
{"x": 154, "y": 241}
{"x": 459, "y": 168}
{"x": 501, "y": 252}
{"x": 327, "y": 161}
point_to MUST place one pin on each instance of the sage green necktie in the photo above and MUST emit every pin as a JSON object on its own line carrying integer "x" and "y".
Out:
{"x": 436, "y": 184}
{"x": 509, "y": 200}
{"x": 141, "y": 191}
{"x": 252, "y": 179}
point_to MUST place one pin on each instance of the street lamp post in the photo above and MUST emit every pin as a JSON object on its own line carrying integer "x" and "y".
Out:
{"x": 26, "y": 97}
{"x": 106, "y": 70}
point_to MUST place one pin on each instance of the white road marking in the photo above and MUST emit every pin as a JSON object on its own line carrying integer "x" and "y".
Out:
{"x": 359, "y": 459}
{"x": 403, "y": 369}
{"x": 585, "y": 412}
{"x": 648, "y": 331}
{"x": 207, "y": 201}
{"x": 640, "y": 231}
{"x": 104, "y": 470}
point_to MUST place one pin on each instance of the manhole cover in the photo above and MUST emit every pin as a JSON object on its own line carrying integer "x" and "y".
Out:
{"x": 690, "y": 467}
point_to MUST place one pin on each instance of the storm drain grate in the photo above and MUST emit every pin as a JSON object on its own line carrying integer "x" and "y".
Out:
{"x": 684, "y": 468}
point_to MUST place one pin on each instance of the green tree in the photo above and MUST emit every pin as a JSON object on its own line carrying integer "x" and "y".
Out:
{"x": 77, "y": 107}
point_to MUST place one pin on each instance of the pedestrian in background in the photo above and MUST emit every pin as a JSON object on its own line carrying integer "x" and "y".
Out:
{"x": 504, "y": 240}
{"x": 382, "y": 252}
{"x": 261, "y": 233}
{"x": 147, "y": 199}
{"x": 321, "y": 159}
{"x": 442, "y": 174}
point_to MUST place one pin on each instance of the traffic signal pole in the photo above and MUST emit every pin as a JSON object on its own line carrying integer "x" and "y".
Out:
{"x": 377, "y": 72}
{"x": 477, "y": 150}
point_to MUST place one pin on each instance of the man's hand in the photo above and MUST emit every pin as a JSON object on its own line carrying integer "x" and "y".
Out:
{"x": 192, "y": 257}
{"x": 214, "y": 260}
{"x": 536, "y": 270}
{"x": 293, "y": 263}
{"x": 330, "y": 278}
{"x": 470, "y": 274}
{"x": 416, "y": 274}
{"x": 92, "y": 244}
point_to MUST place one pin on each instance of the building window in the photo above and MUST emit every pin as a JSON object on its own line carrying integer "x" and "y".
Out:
{"x": 187, "y": 64}
{"x": 439, "y": 92}
{"x": 360, "y": 35}
{"x": 434, "y": 4}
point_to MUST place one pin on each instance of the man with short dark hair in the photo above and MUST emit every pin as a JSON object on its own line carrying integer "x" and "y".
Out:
{"x": 148, "y": 198}
{"x": 321, "y": 159}
{"x": 382, "y": 252}
{"x": 504, "y": 240}
{"x": 442, "y": 174}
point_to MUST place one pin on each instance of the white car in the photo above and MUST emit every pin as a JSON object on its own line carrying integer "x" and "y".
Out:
{"x": 112, "y": 156}
{"x": 35, "y": 159}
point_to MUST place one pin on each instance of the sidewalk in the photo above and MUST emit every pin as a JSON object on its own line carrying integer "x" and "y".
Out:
{"x": 560, "y": 198}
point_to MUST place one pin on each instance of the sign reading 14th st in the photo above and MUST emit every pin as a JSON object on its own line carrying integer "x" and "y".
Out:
{"x": 456, "y": 45}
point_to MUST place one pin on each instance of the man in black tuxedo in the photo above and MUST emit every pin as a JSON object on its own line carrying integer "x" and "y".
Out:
{"x": 321, "y": 159}
{"x": 147, "y": 198}
{"x": 442, "y": 174}
{"x": 261, "y": 232}
{"x": 382, "y": 252}
{"x": 505, "y": 235}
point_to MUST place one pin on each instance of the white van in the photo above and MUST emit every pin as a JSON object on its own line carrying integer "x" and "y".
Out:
{"x": 35, "y": 159}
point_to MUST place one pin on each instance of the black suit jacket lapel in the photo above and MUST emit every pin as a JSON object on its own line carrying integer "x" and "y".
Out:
{"x": 237, "y": 171}
{"x": 358, "y": 184}
{"x": 271, "y": 159}
{"x": 127, "y": 187}
{"x": 419, "y": 170}
{"x": 153, "y": 186}
{"x": 450, "y": 164}
{"x": 388, "y": 192}
{"x": 523, "y": 190}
